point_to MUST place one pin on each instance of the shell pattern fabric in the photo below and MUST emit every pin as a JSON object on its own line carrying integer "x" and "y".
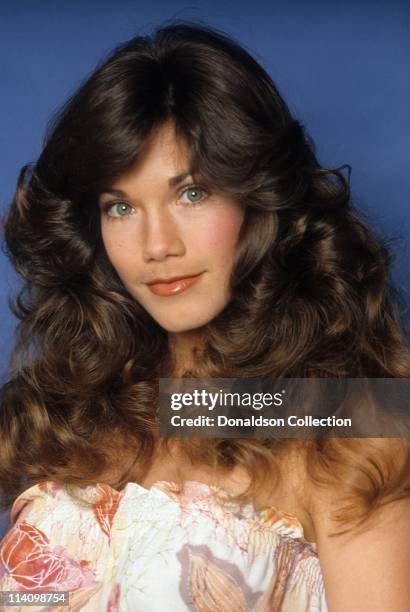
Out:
{"x": 168, "y": 548}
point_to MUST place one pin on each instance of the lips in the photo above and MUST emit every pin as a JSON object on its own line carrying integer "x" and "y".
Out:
{"x": 172, "y": 286}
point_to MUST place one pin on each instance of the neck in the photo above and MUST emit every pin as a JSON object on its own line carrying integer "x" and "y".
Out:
{"x": 182, "y": 346}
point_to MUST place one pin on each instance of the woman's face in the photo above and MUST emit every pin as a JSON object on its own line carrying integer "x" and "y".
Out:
{"x": 155, "y": 229}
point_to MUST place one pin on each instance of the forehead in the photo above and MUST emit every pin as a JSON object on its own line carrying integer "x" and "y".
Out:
{"x": 164, "y": 155}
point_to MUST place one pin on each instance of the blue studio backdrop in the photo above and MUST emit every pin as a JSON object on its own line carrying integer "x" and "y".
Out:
{"x": 343, "y": 68}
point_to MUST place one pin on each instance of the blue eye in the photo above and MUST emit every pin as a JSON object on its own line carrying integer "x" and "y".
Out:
{"x": 195, "y": 193}
{"x": 198, "y": 192}
{"x": 121, "y": 206}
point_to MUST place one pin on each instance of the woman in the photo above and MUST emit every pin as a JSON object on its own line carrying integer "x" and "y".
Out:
{"x": 178, "y": 223}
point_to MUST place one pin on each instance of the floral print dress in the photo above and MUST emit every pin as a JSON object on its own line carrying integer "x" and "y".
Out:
{"x": 166, "y": 548}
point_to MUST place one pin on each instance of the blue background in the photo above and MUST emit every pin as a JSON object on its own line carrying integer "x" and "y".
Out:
{"x": 342, "y": 68}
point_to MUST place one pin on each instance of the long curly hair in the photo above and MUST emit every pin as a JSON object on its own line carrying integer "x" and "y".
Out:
{"x": 311, "y": 295}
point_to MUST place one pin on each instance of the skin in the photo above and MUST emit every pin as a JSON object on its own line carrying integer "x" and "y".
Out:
{"x": 157, "y": 231}
{"x": 368, "y": 569}
{"x": 166, "y": 235}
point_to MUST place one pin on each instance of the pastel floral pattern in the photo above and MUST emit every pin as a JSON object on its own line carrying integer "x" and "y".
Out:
{"x": 159, "y": 549}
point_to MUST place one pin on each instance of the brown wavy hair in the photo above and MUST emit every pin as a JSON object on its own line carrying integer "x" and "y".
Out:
{"x": 311, "y": 295}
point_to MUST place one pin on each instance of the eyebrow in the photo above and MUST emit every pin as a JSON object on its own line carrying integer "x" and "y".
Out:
{"x": 175, "y": 180}
{"x": 172, "y": 182}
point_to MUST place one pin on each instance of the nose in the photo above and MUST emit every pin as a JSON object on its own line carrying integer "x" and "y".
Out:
{"x": 161, "y": 237}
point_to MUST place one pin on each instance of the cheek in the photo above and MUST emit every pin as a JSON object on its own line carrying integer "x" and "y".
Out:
{"x": 117, "y": 252}
{"x": 223, "y": 232}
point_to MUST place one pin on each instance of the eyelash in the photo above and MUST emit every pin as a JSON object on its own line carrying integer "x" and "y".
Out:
{"x": 107, "y": 207}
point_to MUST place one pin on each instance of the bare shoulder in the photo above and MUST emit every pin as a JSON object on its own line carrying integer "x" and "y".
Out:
{"x": 366, "y": 568}
{"x": 383, "y": 464}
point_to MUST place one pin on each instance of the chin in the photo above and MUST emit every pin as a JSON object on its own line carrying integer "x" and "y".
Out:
{"x": 185, "y": 321}
{"x": 178, "y": 327}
